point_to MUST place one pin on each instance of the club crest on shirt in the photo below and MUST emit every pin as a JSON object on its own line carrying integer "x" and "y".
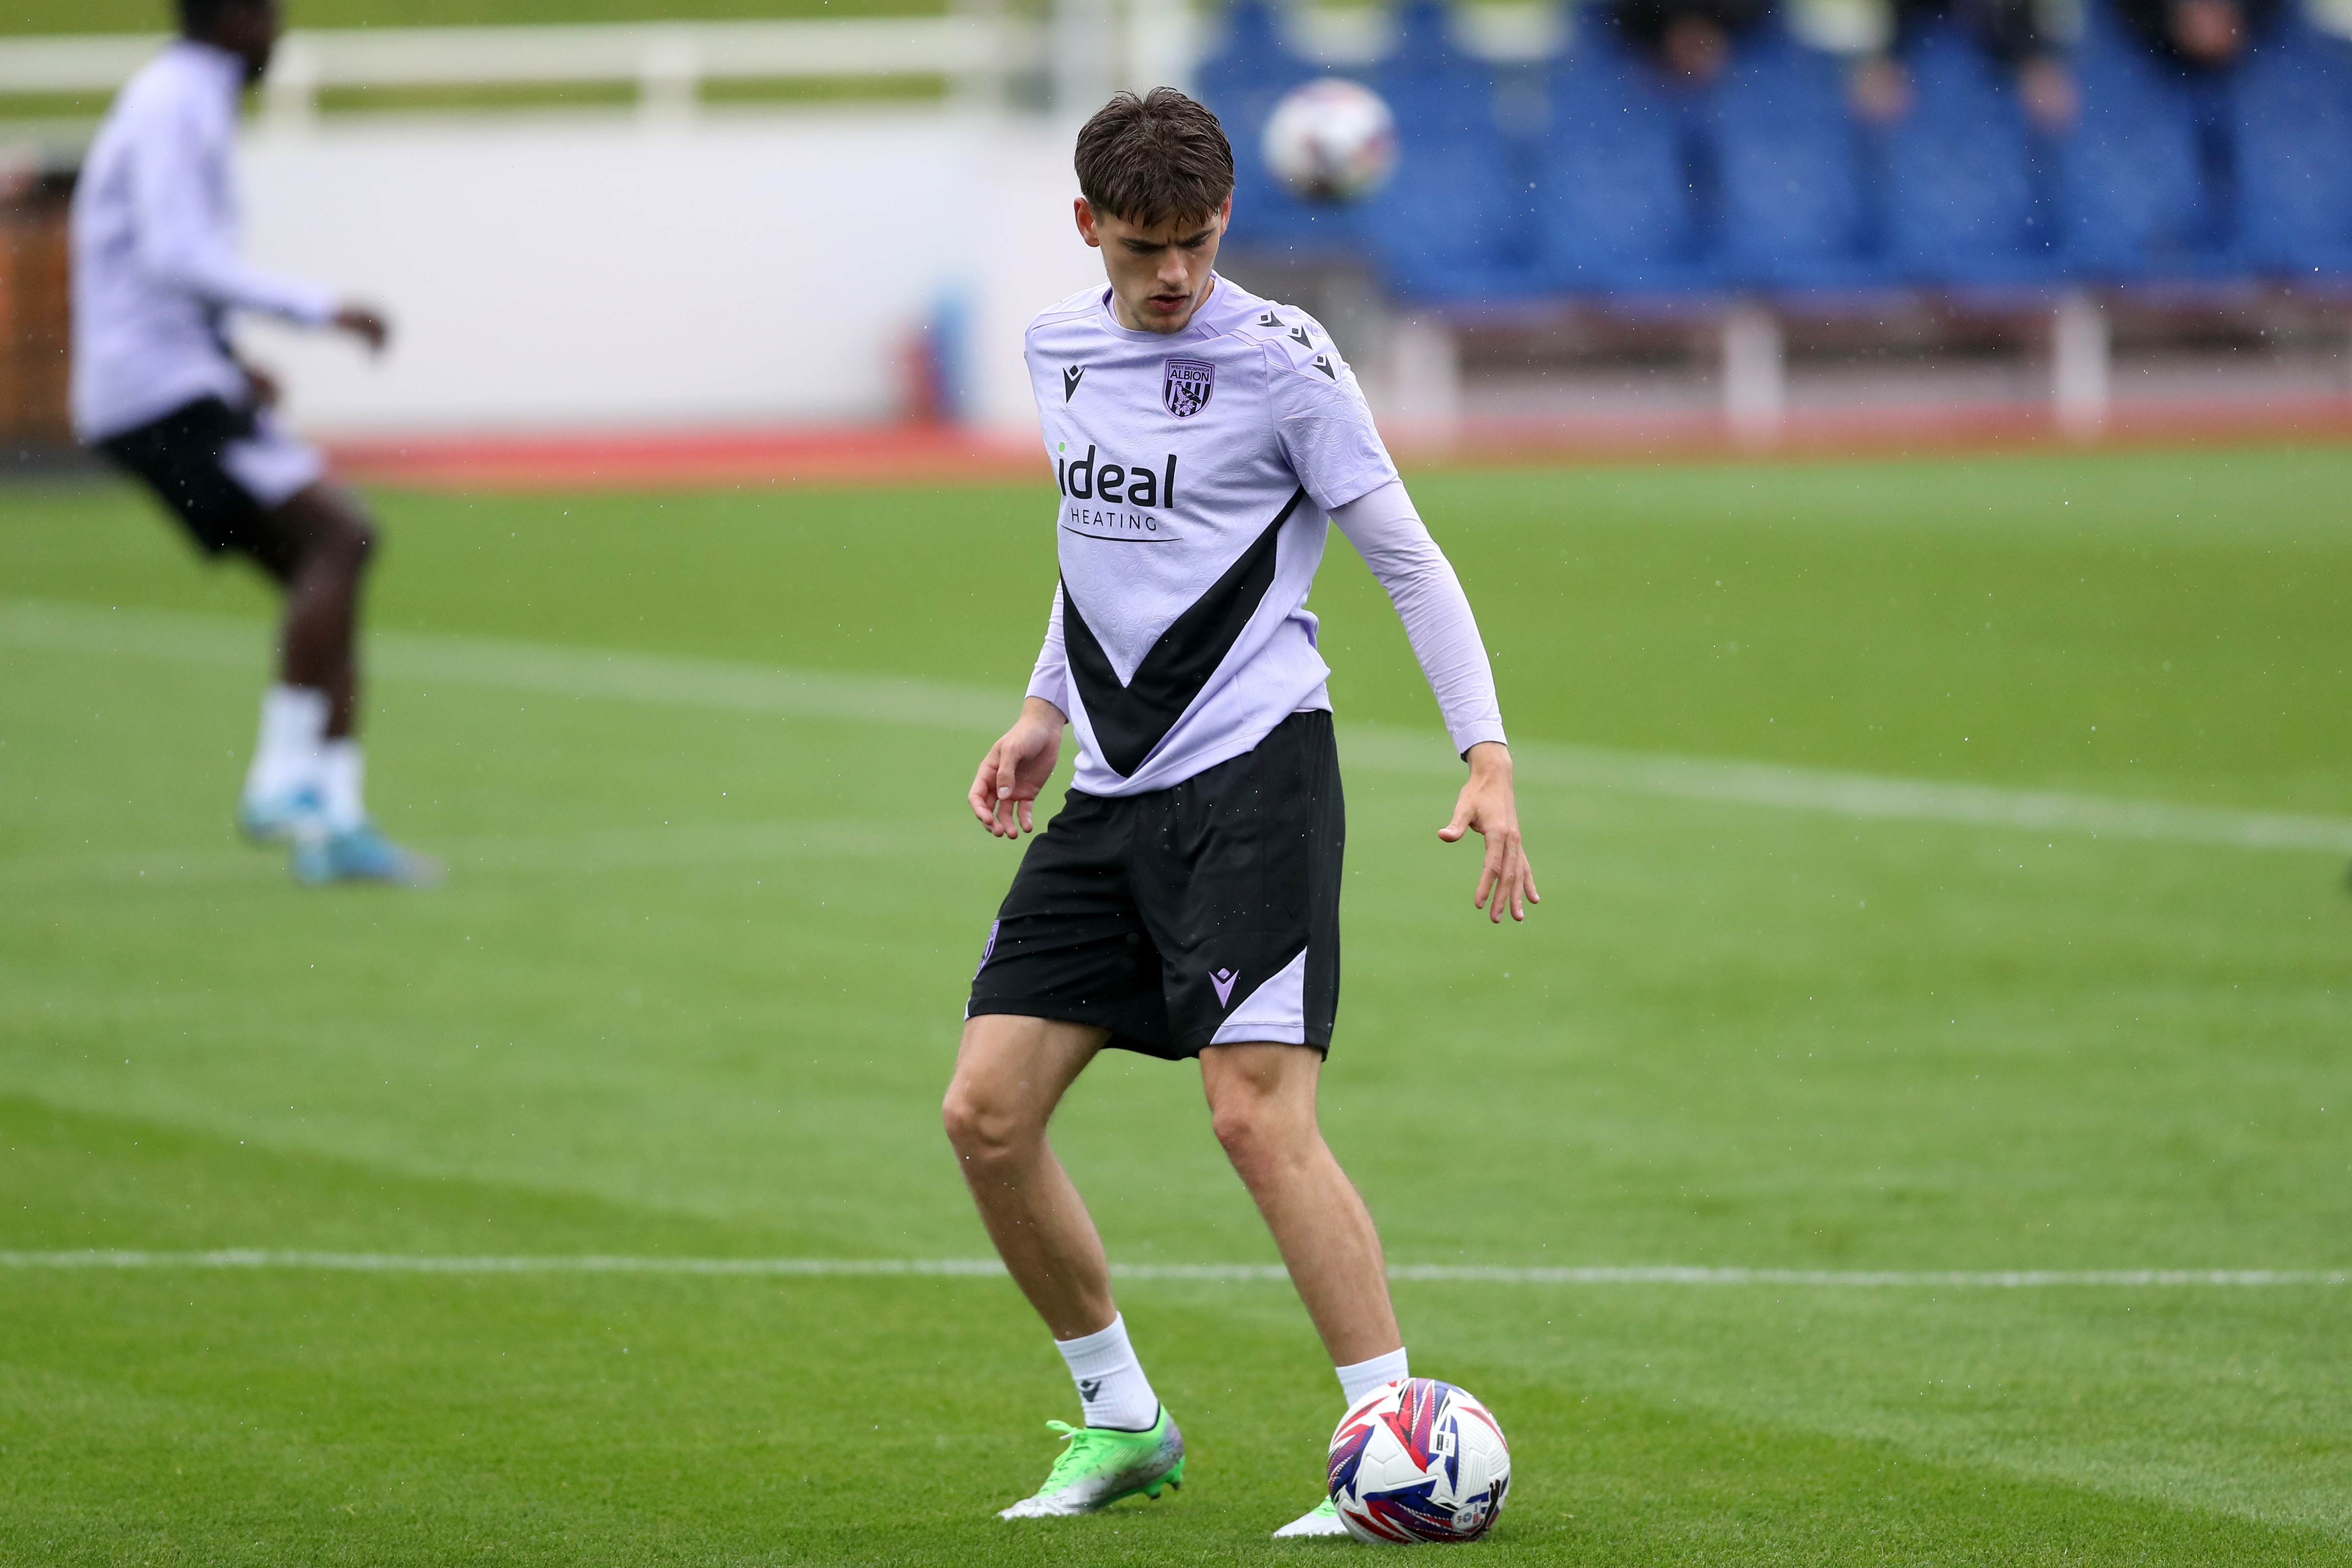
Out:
{"x": 1185, "y": 386}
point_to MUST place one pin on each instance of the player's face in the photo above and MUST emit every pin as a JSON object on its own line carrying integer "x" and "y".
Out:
{"x": 1159, "y": 275}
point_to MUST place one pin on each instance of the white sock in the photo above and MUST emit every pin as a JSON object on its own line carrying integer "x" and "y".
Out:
{"x": 286, "y": 758}
{"x": 1360, "y": 1379}
{"x": 340, "y": 768}
{"x": 1111, "y": 1385}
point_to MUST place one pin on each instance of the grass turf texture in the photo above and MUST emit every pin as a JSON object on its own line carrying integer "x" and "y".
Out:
{"x": 692, "y": 991}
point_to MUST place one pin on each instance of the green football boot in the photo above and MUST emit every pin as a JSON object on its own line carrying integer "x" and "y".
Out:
{"x": 1102, "y": 1465}
{"x": 1320, "y": 1519}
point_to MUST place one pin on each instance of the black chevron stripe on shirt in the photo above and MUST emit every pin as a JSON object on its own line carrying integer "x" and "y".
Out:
{"x": 1130, "y": 720}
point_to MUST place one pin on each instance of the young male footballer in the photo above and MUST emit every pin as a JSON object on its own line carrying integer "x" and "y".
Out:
{"x": 1185, "y": 901}
{"x": 158, "y": 389}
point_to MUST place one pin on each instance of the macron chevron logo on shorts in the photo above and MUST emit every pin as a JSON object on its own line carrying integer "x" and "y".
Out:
{"x": 1223, "y": 980}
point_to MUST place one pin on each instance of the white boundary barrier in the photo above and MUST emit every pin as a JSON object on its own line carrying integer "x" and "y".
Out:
{"x": 666, "y": 61}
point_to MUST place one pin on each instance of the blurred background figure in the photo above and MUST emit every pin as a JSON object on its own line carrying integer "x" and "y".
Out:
{"x": 2210, "y": 126}
{"x": 2202, "y": 35}
{"x": 1689, "y": 42}
{"x": 158, "y": 389}
{"x": 2010, "y": 32}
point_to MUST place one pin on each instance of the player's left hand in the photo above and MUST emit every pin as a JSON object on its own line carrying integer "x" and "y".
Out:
{"x": 262, "y": 384}
{"x": 1488, "y": 807}
{"x": 367, "y": 324}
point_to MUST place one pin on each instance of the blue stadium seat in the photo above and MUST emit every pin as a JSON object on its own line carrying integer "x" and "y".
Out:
{"x": 1252, "y": 68}
{"x": 2135, "y": 202}
{"x": 1625, "y": 191}
{"x": 1457, "y": 223}
{"x": 1795, "y": 211}
{"x": 1960, "y": 194}
{"x": 2293, "y": 108}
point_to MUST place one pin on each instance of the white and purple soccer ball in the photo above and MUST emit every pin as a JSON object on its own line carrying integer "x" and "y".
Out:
{"x": 1418, "y": 1462}
{"x": 1331, "y": 140}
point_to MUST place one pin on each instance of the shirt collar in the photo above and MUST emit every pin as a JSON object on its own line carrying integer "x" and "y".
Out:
{"x": 1206, "y": 322}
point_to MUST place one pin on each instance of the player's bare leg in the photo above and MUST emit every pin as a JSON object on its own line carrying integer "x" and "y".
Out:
{"x": 322, "y": 544}
{"x": 1262, "y": 1104}
{"x": 1011, "y": 1072}
{"x": 318, "y": 545}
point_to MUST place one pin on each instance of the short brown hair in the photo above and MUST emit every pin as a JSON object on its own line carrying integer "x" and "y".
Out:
{"x": 1157, "y": 159}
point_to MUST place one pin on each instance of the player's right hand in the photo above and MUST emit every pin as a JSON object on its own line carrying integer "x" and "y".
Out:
{"x": 366, "y": 324}
{"x": 1006, "y": 788}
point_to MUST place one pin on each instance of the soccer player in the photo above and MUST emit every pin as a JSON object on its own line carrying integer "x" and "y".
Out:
{"x": 1185, "y": 902}
{"x": 157, "y": 388}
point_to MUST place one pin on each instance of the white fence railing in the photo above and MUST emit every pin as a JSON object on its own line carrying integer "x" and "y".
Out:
{"x": 667, "y": 62}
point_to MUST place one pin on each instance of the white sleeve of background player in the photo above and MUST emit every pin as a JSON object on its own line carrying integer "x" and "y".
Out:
{"x": 1387, "y": 533}
{"x": 181, "y": 245}
{"x": 1051, "y": 678}
{"x": 1325, "y": 426}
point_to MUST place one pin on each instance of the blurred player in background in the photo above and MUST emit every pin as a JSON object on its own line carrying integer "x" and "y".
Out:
{"x": 1185, "y": 902}
{"x": 157, "y": 388}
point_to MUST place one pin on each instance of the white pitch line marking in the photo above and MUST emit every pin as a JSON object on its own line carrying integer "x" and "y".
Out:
{"x": 1867, "y": 1279}
{"x": 676, "y": 681}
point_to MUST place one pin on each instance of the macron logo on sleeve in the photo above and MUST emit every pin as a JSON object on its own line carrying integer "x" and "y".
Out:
{"x": 1070, "y": 379}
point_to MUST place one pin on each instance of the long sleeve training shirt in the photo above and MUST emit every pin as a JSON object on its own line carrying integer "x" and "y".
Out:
{"x": 155, "y": 271}
{"x": 1197, "y": 474}
{"x": 1421, "y": 583}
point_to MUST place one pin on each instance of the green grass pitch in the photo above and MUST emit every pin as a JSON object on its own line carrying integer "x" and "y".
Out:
{"x": 692, "y": 991}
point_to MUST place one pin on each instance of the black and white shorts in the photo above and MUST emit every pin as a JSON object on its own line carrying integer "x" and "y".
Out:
{"x": 1207, "y": 913}
{"x": 221, "y": 470}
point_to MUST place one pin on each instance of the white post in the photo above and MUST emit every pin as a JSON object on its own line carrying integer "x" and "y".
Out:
{"x": 1424, "y": 380}
{"x": 2079, "y": 356}
{"x": 289, "y": 95}
{"x": 1755, "y": 383}
{"x": 979, "y": 84}
{"x": 1161, "y": 44}
{"x": 1087, "y": 56}
{"x": 669, "y": 79}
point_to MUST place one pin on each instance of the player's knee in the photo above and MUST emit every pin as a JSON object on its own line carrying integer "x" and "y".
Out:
{"x": 983, "y": 1130}
{"x": 353, "y": 542}
{"x": 1243, "y": 1127}
{"x": 340, "y": 537}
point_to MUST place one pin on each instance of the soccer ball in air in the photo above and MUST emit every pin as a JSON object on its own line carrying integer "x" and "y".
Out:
{"x": 1331, "y": 140}
{"x": 1418, "y": 1460}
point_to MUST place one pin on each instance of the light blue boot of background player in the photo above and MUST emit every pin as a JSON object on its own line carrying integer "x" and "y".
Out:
{"x": 281, "y": 817}
{"x": 359, "y": 854}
